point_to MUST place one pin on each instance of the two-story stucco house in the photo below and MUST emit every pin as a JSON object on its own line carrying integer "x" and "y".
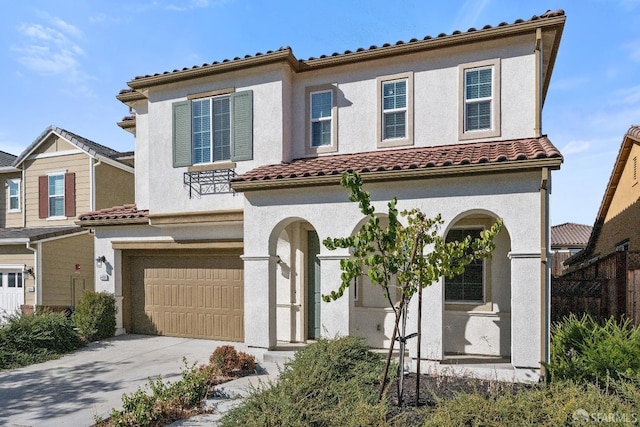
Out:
{"x": 45, "y": 258}
{"x": 238, "y": 166}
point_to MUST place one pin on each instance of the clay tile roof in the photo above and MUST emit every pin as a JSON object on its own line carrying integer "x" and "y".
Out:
{"x": 7, "y": 159}
{"x": 115, "y": 215}
{"x": 570, "y": 234}
{"x": 354, "y": 52}
{"x": 422, "y": 158}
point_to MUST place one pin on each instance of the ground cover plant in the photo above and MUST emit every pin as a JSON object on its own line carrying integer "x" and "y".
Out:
{"x": 29, "y": 339}
{"x": 162, "y": 402}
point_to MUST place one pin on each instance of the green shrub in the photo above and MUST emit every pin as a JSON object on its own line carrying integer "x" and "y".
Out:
{"x": 554, "y": 404}
{"x": 28, "y": 339}
{"x": 328, "y": 383}
{"x": 584, "y": 350}
{"x": 167, "y": 402}
{"x": 95, "y": 315}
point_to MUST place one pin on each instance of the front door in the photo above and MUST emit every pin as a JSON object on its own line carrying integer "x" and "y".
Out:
{"x": 313, "y": 286}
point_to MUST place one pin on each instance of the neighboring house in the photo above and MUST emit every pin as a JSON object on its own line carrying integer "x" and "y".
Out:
{"x": 611, "y": 258}
{"x": 45, "y": 259}
{"x": 238, "y": 165}
{"x": 566, "y": 240}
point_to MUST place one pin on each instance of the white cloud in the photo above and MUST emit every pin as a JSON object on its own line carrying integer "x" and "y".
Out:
{"x": 573, "y": 147}
{"x": 569, "y": 83}
{"x": 182, "y": 6}
{"x": 469, "y": 14}
{"x": 633, "y": 48}
{"x": 627, "y": 96}
{"x": 50, "y": 49}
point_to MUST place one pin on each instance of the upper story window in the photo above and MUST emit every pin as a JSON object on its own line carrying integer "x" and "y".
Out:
{"x": 480, "y": 105}
{"x": 13, "y": 195}
{"x": 395, "y": 110}
{"x": 212, "y": 127}
{"x": 57, "y": 195}
{"x": 322, "y": 119}
{"x": 321, "y": 108}
{"x": 467, "y": 287}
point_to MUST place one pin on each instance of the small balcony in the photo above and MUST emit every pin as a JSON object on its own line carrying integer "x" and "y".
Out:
{"x": 213, "y": 181}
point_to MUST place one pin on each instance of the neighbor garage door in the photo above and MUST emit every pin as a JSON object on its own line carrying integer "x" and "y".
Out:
{"x": 197, "y": 296}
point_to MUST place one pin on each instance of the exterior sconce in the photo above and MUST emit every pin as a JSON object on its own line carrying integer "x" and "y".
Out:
{"x": 29, "y": 271}
{"x": 100, "y": 260}
{"x": 278, "y": 260}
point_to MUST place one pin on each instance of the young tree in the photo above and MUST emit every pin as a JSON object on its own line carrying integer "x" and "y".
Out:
{"x": 402, "y": 259}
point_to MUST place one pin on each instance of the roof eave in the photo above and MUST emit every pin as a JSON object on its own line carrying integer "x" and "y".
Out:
{"x": 107, "y": 222}
{"x": 394, "y": 175}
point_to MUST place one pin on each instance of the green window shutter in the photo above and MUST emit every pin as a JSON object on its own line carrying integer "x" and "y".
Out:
{"x": 181, "y": 134}
{"x": 242, "y": 127}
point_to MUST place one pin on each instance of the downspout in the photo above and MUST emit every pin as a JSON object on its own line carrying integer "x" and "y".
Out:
{"x": 538, "y": 79}
{"x": 545, "y": 280}
{"x": 36, "y": 272}
{"x": 92, "y": 177}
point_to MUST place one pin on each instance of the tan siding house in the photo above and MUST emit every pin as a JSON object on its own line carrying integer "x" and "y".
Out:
{"x": 45, "y": 258}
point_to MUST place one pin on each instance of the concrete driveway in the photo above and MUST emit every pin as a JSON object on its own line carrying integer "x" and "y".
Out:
{"x": 72, "y": 390}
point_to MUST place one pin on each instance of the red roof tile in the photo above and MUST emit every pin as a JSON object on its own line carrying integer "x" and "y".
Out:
{"x": 421, "y": 158}
{"x": 570, "y": 234}
{"x": 119, "y": 214}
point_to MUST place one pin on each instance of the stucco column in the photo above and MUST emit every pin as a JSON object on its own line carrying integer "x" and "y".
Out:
{"x": 260, "y": 301}
{"x": 526, "y": 316}
{"x": 335, "y": 315}
{"x": 432, "y": 334}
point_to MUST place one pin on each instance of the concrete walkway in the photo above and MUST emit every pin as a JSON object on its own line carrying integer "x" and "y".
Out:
{"x": 73, "y": 390}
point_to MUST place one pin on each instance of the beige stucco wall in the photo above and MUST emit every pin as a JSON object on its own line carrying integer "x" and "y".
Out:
{"x": 77, "y": 163}
{"x": 59, "y": 260}
{"x": 20, "y": 255}
{"x": 114, "y": 187}
{"x": 9, "y": 219}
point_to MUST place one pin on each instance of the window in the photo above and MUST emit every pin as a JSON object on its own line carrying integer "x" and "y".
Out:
{"x": 57, "y": 197}
{"x": 395, "y": 97}
{"x": 213, "y": 127}
{"x": 394, "y": 109}
{"x": 468, "y": 286}
{"x": 14, "y": 280}
{"x": 623, "y": 246}
{"x": 479, "y": 111}
{"x": 321, "y": 112}
{"x": 14, "y": 195}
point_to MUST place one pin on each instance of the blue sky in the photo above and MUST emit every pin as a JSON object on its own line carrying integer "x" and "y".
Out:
{"x": 63, "y": 63}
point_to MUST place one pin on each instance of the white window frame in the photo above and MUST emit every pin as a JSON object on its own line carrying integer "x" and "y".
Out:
{"x": 210, "y": 100}
{"x": 324, "y": 119}
{"x": 310, "y": 149}
{"x": 49, "y": 196}
{"x": 16, "y": 181}
{"x": 484, "y": 274}
{"x": 408, "y": 110}
{"x": 494, "y": 100}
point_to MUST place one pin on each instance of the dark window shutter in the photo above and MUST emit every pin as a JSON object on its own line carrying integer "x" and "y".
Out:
{"x": 182, "y": 134}
{"x": 242, "y": 127}
{"x": 70, "y": 194}
{"x": 43, "y": 196}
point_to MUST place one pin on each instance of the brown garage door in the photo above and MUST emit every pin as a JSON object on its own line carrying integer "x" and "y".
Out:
{"x": 187, "y": 296}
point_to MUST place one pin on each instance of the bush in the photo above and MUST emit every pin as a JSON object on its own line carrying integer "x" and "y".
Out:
{"x": 226, "y": 361}
{"x": 555, "y": 404}
{"x": 95, "y": 315}
{"x": 167, "y": 402}
{"x": 584, "y": 350}
{"x": 328, "y": 383}
{"x": 28, "y": 339}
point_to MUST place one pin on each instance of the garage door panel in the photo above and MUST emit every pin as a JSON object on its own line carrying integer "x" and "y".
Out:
{"x": 199, "y": 296}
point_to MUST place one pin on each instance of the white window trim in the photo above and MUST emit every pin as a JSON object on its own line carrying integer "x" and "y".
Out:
{"x": 485, "y": 300}
{"x": 222, "y": 94}
{"x": 495, "y": 129}
{"x": 408, "y": 139}
{"x": 50, "y": 174}
{"x": 17, "y": 181}
{"x": 321, "y": 149}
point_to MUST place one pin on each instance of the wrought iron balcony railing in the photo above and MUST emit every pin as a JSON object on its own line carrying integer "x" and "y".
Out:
{"x": 214, "y": 181}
